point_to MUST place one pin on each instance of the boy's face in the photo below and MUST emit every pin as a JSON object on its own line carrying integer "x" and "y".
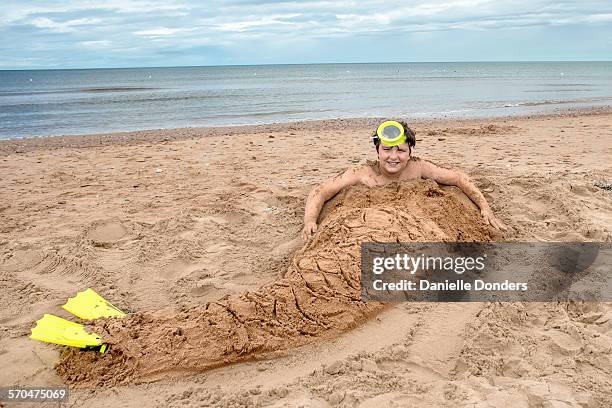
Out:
{"x": 394, "y": 159}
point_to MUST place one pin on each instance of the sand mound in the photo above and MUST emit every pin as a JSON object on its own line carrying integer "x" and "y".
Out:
{"x": 318, "y": 295}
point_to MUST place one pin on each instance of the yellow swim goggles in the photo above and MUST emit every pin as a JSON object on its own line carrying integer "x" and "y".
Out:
{"x": 390, "y": 133}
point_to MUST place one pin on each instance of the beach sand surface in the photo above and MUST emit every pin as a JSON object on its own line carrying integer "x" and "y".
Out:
{"x": 165, "y": 221}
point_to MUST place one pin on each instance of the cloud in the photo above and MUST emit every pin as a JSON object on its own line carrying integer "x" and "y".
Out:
{"x": 259, "y": 22}
{"x": 99, "y": 44}
{"x": 65, "y": 26}
{"x": 151, "y": 28}
{"x": 162, "y": 32}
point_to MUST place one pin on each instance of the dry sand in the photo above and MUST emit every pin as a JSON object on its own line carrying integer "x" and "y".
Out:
{"x": 163, "y": 223}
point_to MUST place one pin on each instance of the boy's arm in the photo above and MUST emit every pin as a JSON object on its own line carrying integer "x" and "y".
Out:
{"x": 320, "y": 194}
{"x": 461, "y": 180}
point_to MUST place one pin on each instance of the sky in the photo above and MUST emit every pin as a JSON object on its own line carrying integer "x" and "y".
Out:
{"x": 146, "y": 33}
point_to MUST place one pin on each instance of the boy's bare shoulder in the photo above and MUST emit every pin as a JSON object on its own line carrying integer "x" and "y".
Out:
{"x": 369, "y": 169}
{"x": 355, "y": 175}
{"x": 368, "y": 173}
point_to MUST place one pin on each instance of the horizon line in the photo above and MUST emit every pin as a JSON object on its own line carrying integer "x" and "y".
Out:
{"x": 308, "y": 63}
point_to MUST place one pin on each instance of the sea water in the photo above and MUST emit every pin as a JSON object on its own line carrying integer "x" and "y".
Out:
{"x": 61, "y": 102}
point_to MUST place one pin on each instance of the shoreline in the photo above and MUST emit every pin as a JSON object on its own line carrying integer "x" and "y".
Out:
{"x": 128, "y": 138}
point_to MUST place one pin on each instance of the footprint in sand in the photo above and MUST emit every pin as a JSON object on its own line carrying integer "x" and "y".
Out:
{"x": 202, "y": 290}
{"x": 21, "y": 259}
{"x": 107, "y": 233}
{"x": 563, "y": 343}
{"x": 177, "y": 268}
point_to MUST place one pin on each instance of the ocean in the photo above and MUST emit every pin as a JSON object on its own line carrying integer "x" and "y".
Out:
{"x": 63, "y": 102}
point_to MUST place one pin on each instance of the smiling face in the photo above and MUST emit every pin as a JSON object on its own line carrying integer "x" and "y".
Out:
{"x": 393, "y": 160}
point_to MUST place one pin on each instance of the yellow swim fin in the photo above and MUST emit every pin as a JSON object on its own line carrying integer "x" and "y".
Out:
{"x": 53, "y": 329}
{"x": 89, "y": 305}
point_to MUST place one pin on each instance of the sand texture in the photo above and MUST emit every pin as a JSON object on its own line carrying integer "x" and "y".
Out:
{"x": 319, "y": 294}
{"x": 199, "y": 241}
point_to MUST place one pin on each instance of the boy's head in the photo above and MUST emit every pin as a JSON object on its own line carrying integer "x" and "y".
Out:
{"x": 392, "y": 133}
{"x": 393, "y": 141}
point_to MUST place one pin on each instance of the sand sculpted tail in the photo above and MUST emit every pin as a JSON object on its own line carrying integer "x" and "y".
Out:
{"x": 317, "y": 297}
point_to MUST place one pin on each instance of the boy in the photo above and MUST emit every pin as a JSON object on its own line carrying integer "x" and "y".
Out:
{"x": 393, "y": 142}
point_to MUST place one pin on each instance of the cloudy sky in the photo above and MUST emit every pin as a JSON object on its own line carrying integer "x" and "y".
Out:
{"x": 121, "y": 33}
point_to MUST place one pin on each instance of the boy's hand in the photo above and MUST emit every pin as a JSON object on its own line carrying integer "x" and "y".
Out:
{"x": 309, "y": 229}
{"x": 491, "y": 220}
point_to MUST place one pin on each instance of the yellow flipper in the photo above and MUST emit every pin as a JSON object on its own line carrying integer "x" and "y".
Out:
{"x": 53, "y": 329}
{"x": 89, "y": 305}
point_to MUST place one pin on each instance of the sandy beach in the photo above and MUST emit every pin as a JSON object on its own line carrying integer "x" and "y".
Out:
{"x": 164, "y": 222}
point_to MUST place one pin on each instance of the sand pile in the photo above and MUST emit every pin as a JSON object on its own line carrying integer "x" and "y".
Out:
{"x": 318, "y": 296}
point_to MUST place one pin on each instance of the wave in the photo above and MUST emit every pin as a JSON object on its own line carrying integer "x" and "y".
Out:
{"x": 81, "y": 90}
{"x": 117, "y": 89}
{"x": 98, "y": 102}
{"x": 152, "y": 98}
{"x": 566, "y": 85}
{"x": 559, "y": 90}
{"x": 555, "y": 102}
{"x": 269, "y": 113}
